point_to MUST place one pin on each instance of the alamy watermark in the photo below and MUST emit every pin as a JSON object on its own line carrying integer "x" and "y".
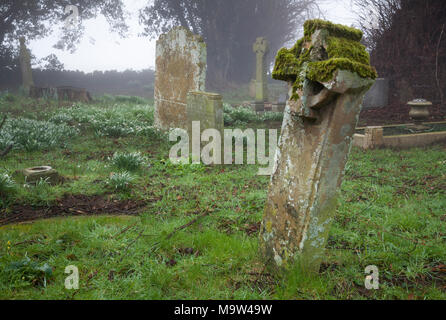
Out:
{"x": 73, "y": 16}
{"x": 72, "y": 281}
{"x": 219, "y": 150}
{"x": 372, "y": 279}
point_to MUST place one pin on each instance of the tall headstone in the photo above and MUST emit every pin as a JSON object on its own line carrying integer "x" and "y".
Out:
{"x": 260, "y": 48}
{"x": 180, "y": 68}
{"x": 328, "y": 73}
{"x": 25, "y": 66}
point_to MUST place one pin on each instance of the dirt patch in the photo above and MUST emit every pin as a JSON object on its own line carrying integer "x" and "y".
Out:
{"x": 252, "y": 229}
{"x": 71, "y": 205}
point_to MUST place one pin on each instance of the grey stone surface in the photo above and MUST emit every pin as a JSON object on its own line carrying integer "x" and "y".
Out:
{"x": 378, "y": 95}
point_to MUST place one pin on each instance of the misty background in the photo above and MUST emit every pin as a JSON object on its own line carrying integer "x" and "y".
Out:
{"x": 112, "y": 48}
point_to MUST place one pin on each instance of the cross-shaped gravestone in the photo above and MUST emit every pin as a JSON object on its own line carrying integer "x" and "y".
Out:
{"x": 327, "y": 84}
{"x": 261, "y": 49}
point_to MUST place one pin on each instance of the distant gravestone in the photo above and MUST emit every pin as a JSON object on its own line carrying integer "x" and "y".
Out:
{"x": 25, "y": 66}
{"x": 207, "y": 108}
{"x": 205, "y": 121}
{"x": 73, "y": 94}
{"x": 378, "y": 95}
{"x": 180, "y": 68}
{"x": 260, "y": 47}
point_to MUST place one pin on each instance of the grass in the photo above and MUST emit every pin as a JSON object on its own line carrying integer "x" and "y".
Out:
{"x": 391, "y": 214}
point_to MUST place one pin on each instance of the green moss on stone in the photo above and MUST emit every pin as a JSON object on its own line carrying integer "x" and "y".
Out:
{"x": 349, "y": 49}
{"x": 343, "y": 49}
{"x": 335, "y": 30}
{"x": 286, "y": 67}
{"x": 322, "y": 71}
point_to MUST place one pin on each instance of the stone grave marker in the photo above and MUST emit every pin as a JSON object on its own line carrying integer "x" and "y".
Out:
{"x": 327, "y": 84}
{"x": 260, "y": 47}
{"x": 207, "y": 108}
{"x": 180, "y": 68}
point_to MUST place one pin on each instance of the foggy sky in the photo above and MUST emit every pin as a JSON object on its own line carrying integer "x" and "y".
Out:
{"x": 102, "y": 50}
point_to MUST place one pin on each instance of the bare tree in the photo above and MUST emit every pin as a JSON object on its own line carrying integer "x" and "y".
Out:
{"x": 405, "y": 42}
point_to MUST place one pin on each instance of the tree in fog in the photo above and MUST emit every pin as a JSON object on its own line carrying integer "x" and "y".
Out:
{"x": 37, "y": 18}
{"x": 407, "y": 40}
{"x": 230, "y": 27}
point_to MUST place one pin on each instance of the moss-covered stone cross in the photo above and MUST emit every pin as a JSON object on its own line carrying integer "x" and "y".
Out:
{"x": 328, "y": 72}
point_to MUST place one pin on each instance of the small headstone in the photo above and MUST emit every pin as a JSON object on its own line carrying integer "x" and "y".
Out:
{"x": 207, "y": 108}
{"x": 25, "y": 66}
{"x": 180, "y": 68}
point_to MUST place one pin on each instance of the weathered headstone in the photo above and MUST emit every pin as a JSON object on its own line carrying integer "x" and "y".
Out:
{"x": 25, "y": 66}
{"x": 260, "y": 47}
{"x": 180, "y": 68}
{"x": 72, "y": 94}
{"x": 42, "y": 92}
{"x": 328, "y": 72}
{"x": 207, "y": 108}
{"x": 378, "y": 95}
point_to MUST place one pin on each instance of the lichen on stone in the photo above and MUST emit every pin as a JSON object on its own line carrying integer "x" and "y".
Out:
{"x": 338, "y": 44}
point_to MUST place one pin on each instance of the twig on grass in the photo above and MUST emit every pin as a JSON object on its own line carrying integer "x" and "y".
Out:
{"x": 155, "y": 246}
{"x": 125, "y": 230}
{"x": 132, "y": 243}
{"x": 26, "y": 242}
{"x": 170, "y": 235}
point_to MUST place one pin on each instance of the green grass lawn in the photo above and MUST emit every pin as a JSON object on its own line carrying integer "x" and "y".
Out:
{"x": 196, "y": 233}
